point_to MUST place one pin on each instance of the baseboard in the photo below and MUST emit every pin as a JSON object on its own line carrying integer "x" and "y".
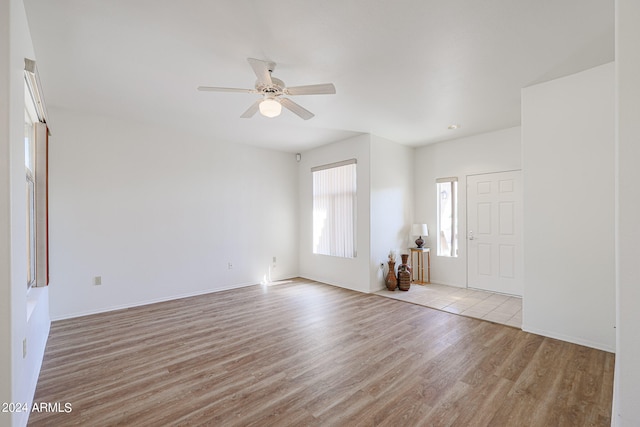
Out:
{"x": 332, "y": 283}
{"x": 453, "y": 285}
{"x": 152, "y": 301}
{"x": 573, "y": 340}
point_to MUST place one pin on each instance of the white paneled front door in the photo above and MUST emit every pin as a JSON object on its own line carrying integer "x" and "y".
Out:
{"x": 494, "y": 232}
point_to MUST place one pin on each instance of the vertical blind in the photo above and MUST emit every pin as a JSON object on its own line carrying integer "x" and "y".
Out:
{"x": 334, "y": 209}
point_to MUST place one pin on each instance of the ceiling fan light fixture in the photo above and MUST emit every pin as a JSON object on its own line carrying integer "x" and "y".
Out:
{"x": 270, "y": 105}
{"x": 270, "y": 108}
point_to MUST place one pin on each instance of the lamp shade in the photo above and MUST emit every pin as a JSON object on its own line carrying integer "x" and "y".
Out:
{"x": 270, "y": 108}
{"x": 419, "y": 230}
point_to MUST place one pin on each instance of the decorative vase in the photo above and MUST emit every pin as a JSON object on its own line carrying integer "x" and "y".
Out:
{"x": 404, "y": 265}
{"x": 390, "y": 280}
{"x": 404, "y": 274}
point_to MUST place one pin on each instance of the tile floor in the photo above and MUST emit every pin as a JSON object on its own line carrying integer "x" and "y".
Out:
{"x": 497, "y": 308}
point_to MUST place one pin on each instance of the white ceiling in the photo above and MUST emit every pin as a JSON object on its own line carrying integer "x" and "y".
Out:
{"x": 403, "y": 69}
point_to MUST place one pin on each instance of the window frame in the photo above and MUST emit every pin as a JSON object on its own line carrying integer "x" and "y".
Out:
{"x": 30, "y": 119}
{"x": 31, "y": 230}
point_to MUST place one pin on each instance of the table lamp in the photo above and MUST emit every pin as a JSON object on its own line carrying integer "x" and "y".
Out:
{"x": 419, "y": 230}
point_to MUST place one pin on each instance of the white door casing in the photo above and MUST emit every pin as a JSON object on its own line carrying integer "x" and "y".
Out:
{"x": 494, "y": 232}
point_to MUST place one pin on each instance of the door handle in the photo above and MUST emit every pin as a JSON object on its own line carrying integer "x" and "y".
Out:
{"x": 471, "y": 235}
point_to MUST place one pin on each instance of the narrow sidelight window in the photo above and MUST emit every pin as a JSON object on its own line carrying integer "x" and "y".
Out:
{"x": 447, "y": 190}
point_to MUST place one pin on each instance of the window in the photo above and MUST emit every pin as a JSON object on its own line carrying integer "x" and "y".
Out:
{"x": 447, "y": 189}
{"x": 334, "y": 209}
{"x": 35, "y": 161}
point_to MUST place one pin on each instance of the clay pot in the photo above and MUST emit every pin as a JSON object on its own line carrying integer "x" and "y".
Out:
{"x": 390, "y": 280}
{"x": 404, "y": 274}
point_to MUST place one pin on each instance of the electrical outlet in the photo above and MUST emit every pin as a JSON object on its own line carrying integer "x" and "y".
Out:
{"x": 24, "y": 348}
{"x": 230, "y": 266}
{"x": 97, "y": 281}
{"x": 273, "y": 263}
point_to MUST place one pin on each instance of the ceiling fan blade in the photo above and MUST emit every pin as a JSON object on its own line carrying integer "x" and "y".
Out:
{"x": 225, "y": 89}
{"x": 321, "y": 89}
{"x": 296, "y": 109}
{"x": 251, "y": 110}
{"x": 261, "y": 68}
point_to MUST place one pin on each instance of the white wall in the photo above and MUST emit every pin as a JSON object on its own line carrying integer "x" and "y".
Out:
{"x": 384, "y": 210}
{"x": 568, "y": 174}
{"x": 350, "y": 273}
{"x": 391, "y": 204}
{"x": 159, "y": 215}
{"x": 18, "y": 374}
{"x": 5, "y": 213}
{"x": 488, "y": 152}
{"x": 626, "y": 411}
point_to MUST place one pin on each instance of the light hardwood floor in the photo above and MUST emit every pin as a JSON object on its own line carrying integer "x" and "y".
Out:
{"x": 306, "y": 353}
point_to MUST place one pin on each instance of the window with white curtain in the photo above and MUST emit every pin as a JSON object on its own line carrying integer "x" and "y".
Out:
{"x": 334, "y": 209}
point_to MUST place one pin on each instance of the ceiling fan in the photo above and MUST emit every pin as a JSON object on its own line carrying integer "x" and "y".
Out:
{"x": 272, "y": 91}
